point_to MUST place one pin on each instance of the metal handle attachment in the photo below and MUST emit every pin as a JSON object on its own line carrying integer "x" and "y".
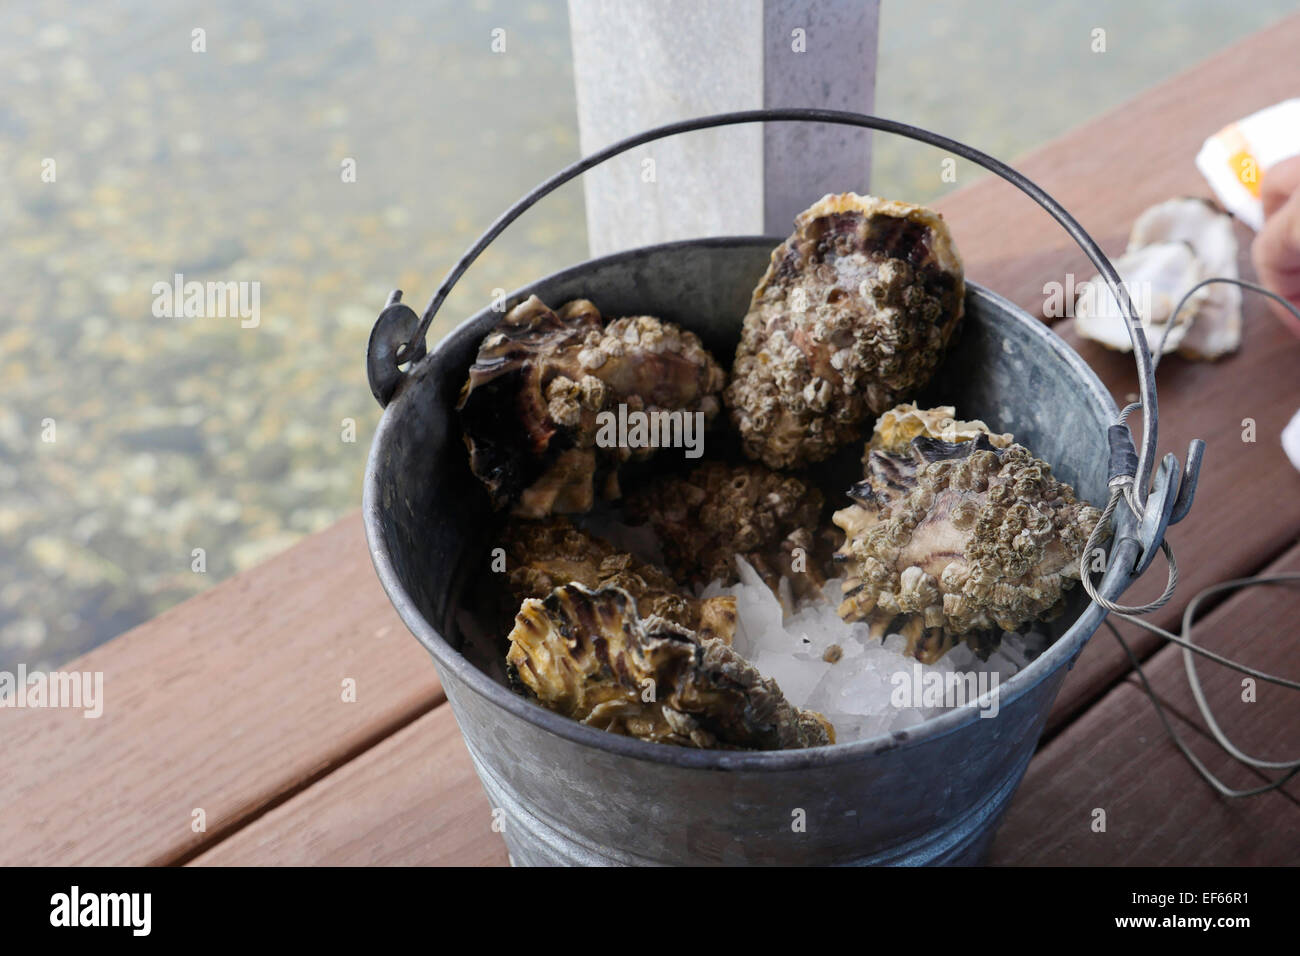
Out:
{"x": 390, "y": 347}
{"x": 393, "y": 343}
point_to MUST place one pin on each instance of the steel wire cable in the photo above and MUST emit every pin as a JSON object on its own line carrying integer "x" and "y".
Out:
{"x": 1122, "y": 492}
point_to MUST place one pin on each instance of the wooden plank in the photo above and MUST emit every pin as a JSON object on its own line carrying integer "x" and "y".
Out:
{"x": 226, "y": 703}
{"x": 1117, "y": 757}
{"x": 1237, "y": 522}
{"x": 413, "y": 800}
{"x": 1255, "y": 626}
{"x": 1158, "y": 811}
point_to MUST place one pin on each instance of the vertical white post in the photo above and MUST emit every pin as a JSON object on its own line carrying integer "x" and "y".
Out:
{"x": 638, "y": 65}
{"x": 816, "y": 53}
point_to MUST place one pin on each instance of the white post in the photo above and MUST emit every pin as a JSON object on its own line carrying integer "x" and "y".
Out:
{"x": 642, "y": 64}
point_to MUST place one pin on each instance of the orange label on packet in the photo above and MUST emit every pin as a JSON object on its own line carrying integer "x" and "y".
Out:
{"x": 1241, "y": 160}
{"x": 1236, "y": 158}
{"x": 1247, "y": 170}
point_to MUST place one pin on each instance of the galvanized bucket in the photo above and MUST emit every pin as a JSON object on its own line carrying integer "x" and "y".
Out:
{"x": 571, "y": 794}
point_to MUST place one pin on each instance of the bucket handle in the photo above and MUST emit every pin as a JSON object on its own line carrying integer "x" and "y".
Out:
{"x": 397, "y": 338}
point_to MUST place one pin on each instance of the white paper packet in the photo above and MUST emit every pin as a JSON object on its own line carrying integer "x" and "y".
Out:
{"x": 1234, "y": 159}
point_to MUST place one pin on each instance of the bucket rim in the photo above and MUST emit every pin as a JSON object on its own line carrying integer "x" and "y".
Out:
{"x": 451, "y": 661}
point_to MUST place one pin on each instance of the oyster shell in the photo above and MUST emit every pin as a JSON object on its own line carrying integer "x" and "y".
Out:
{"x": 704, "y": 518}
{"x": 542, "y": 556}
{"x": 529, "y": 408}
{"x": 950, "y": 539}
{"x": 1156, "y": 276}
{"x": 895, "y": 430}
{"x": 589, "y": 655}
{"x": 1173, "y": 246}
{"x": 1216, "y": 324}
{"x": 852, "y": 316}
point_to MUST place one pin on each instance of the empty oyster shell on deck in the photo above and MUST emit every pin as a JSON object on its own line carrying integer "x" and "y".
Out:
{"x": 708, "y": 516}
{"x": 852, "y": 316}
{"x": 1155, "y": 276}
{"x": 1216, "y": 326}
{"x": 950, "y": 539}
{"x": 530, "y": 407}
{"x": 1173, "y": 246}
{"x": 544, "y": 555}
{"x": 589, "y": 655}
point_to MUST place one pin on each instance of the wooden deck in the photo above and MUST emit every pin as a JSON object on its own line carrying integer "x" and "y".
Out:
{"x": 232, "y": 702}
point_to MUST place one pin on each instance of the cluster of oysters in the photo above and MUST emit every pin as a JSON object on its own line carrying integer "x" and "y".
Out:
{"x": 953, "y": 533}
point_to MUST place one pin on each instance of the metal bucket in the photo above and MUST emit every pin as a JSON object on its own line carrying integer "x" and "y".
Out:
{"x": 571, "y": 794}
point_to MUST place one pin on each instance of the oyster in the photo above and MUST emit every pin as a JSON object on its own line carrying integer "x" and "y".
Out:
{"x": 852, "y": 316}
{"x": 1216, "y": 324}
{"x": 542, "y": 556}
{"x": 896, "y": 428}
{"x": 716, "y": 511}
{"x": 1155, "y": 276}
{"x": 530, "y": 407}
{"x": 950, "y": 539}
{"x": 589, "y": 655}
{"x": 1173, "y": 246}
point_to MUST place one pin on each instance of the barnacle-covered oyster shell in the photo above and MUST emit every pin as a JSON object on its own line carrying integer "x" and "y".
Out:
{"x": 852, "y": 316}
{"x": 895, "y": 429}
{"x": 706, "y": 517}
{"x": 529, "y": 408}
{"x": 950, "y": 539}
{"x": 588, "y": 654}
{"x": 543, "y": 555}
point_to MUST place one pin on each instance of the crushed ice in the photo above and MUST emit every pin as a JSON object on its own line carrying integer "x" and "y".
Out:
{"x": 857, "y": 692}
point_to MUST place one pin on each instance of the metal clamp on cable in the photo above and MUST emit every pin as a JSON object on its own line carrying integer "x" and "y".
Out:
{"x": 1123, "y": 456}
{"x": 1167, "y": 502}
